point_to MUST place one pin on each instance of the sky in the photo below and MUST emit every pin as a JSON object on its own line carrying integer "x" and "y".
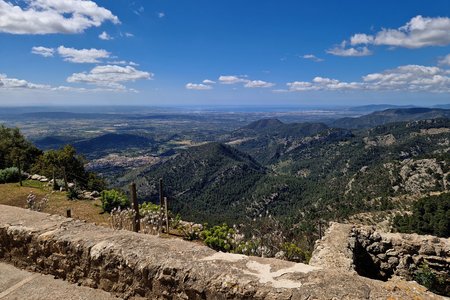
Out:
{"x": 234, "y": 52}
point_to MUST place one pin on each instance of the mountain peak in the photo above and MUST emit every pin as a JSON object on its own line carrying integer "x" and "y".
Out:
{"x": 264, "y": 123}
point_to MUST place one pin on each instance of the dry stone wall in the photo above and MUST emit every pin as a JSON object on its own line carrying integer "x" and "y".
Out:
{"x": 136, "y": 265}
{"x": 382, "y": 255}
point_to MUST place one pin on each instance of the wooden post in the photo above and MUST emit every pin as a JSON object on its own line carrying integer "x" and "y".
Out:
{"x": 161, "y": 203}
{"x": 161, "y": 195}
{"x": 320, "y": 229}
{"x": 69, "y": 213}
{"x": 55, "y": 186}
{"x": 136, "y": 220}
{"x": 20, "y": 171}
{"x": 167, "y": 215}
{"x": 66, "y": 185}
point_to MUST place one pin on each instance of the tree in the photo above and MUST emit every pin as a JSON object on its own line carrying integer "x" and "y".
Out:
{"x": 65, "y": 163}
{"x": 15, "y": 150}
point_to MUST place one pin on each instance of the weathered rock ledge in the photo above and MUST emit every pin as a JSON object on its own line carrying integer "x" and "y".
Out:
{"x": 129, "y": 264}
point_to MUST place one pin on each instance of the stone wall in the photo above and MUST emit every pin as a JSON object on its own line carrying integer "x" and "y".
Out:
{"x": 380, "y": 255}
{"x": 137, "y": 265}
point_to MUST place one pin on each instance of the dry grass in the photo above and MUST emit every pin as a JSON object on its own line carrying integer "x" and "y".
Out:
{"x": 14, "y": 195}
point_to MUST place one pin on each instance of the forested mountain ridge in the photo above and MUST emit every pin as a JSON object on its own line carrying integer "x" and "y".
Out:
{"x": 328, "y": 174}
{"x": 267, "y": 139}
{"x": 206, "y": 183}
{"x": 390, "y": 116}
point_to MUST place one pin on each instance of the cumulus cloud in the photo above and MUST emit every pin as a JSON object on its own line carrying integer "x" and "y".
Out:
{"x": 232, "y": 79}
{"x": 198, "y": 86}
{"x": 52, "y": 16}
{"x": 43, "y": 51}
{"x": 342, "y": 50}
{"x": 258, "y": 84}
{"x": 110, "y": 76}
{"x": 208, "y": 81}
{"x": 413, "y": 78}
{"x": 123, "y": 62}
{"x": 312, "y": 57}
{"x": 417, "y": 33}
{"x": 82, "y": 55}
{"x": 361, "y": 38}
{"x": 105, "y": 36}
{"x": 14, "y": 83}
{"x": 445, "y": 60}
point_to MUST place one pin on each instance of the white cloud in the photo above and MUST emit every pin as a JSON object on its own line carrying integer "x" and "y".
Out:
{"x": 413, "y": 78}
{"x": 417, "y": 33}
{"x": 258, "y": 84}
{"x": 445, "y": 60}
{"x": 105, "y": 36}
{"x": 82, "y": 55}
{"x": 361, "y": 38}
{"x": 123, "y": 62}
{"x": 161, "y": 15}
{"x": 312, "y": 57}
{"x": 198, "y": 86}
{"x": 110, "y": 76}
{"x": 52, "y": 16}
{"x": 129, "y": 34}
{"x": 14, "y": 83}
{"x": 207, "y": 81}
{"x": 232, "y": 79}
{"x": 341, "y": 50}
{"x": 43, "y": 51}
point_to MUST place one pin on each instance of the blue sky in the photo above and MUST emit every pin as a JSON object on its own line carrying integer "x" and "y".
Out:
{"x": 167, "y": 52}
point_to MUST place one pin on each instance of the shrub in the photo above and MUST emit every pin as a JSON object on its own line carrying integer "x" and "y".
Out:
{"x": 430, "y": 215}
{"x": 219, "y": 237}
{"x": 425, "y": 276}
{"x": 72, "y": 194}
{"x": 9, "y": 175}
{"x": 294, "y": 253}
{"x": 113, "y": 199}
{"x": 148, "y": 207}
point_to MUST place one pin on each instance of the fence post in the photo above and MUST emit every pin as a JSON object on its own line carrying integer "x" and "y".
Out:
{"x": 320, "y": 229}
{"x": 167, "y": 215}
{"x": 161, "y": 193}
{"x": 136, "y": 219}
{"x": 161, "y": 203}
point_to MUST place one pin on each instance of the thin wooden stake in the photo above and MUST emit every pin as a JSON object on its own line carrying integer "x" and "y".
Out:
{"x": 136, "y": 219}
{"x": 161, "y": 194}
{"x": 66, "y": 185}
{"x": 161, "y": 201}
{"x": 167, "y": 215}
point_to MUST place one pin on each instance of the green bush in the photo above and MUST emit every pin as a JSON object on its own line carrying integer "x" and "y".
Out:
{"x": 9, "y": 175}
{"x": 219, "y": 237}
{"x": 72, "y": 194}
{"x": 113, "y": 199}
{"x": 295, "y": 253}
{"x": 430, "y": 215}
{"x": 425, "y": 276}
{"x": 149, "y": 207}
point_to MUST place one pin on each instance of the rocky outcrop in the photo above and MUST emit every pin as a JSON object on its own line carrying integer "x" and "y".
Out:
{"x": 130, "y": 264}
{"x": 381, "y": 255}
